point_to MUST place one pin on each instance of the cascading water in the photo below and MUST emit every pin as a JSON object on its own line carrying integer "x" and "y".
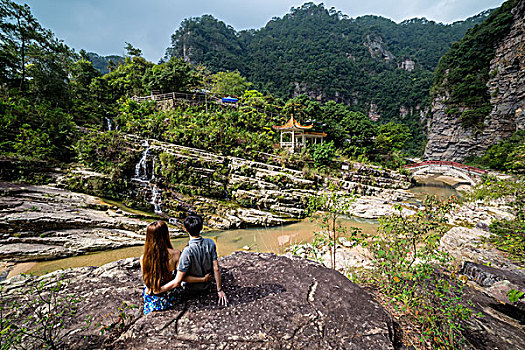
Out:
{"x": 156, "y": 199}
{"x": 141, "y": 175}
{"x": 156, "y": 196}
{"x": 141, "y": 170}
{"x": 109, "y": 125}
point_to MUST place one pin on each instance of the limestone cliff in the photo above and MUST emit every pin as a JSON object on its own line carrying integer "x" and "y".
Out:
{"x": 448, "y": 138}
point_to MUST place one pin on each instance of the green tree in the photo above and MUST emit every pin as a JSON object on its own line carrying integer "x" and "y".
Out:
{"x": 174, "y": 75}
{"x": 323, "y": 154}
{"x": 391, "y": 137}
{"x": 31, "y": 57}
{"x": 229, "y": 84}
{"x": 132, "y": 51}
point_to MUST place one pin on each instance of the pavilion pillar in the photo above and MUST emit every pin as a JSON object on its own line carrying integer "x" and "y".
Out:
{"x": 293, "y": 141}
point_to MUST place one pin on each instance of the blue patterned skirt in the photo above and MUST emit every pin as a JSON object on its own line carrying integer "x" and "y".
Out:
{"x": 164, "y": 301}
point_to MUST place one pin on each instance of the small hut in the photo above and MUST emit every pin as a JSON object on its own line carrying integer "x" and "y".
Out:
{"x": 295, "y": 136}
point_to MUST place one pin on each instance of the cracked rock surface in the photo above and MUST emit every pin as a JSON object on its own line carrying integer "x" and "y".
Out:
{"x": 44, "y": 222}
{"x": 274, "y": 302}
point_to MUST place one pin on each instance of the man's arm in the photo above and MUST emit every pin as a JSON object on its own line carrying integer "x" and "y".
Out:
{"x": 223, "y": 300}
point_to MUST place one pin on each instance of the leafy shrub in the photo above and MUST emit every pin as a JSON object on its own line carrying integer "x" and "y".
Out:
{"x": 322, "y": 154}
{"x": 37, "y": 317}
{"x": 409, "y": 270}
{"x": 108, "y": 152}
{"x": 35, "y": 130}
{"x": 508, "y": 235}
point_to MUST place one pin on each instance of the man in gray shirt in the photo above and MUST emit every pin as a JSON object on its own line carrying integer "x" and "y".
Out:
{"x": 198, "y": 259}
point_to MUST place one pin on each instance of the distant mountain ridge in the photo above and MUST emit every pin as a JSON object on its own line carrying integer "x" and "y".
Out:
{"x": 102, "y": 63}
{"x": 370, "y": 62}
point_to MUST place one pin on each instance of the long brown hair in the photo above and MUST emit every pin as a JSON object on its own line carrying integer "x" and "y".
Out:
{"x": 156, "y": 257}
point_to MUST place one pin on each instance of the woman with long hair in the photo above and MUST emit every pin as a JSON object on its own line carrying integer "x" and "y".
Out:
{"x": 159, "y": 266}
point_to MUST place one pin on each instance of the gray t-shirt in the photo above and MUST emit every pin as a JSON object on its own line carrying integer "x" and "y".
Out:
{"x": 197, "y": 260}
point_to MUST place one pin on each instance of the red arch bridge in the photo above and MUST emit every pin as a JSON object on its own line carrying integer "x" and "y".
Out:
{"x": 466, "y": 172}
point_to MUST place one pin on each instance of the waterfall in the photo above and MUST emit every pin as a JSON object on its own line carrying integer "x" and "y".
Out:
{"x": 156, "y": 198}
{"x": 156, "y": 193}
{"x": 109, "y": 125}
{"x": 141, "y": 175}
{"x": 141, "y": 170}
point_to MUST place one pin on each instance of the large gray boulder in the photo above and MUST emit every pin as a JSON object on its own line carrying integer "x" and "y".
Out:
{"x": 275, "y": 302}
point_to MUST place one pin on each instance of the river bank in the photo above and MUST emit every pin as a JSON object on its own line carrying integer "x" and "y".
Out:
{"x": 94, "y": 217}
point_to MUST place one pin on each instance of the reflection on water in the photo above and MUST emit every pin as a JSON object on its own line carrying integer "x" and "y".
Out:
{"x": 432, "y": 186}
{"x": 270, "y": 239}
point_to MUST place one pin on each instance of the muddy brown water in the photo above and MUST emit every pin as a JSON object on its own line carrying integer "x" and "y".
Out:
{"x": 268, "y": 239}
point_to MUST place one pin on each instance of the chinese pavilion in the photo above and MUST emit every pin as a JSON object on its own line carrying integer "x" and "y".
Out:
{"x": 294, "y": 135}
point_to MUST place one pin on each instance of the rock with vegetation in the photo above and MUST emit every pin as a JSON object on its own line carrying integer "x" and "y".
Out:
{"x": 479, "y": 94}
{"x": 43, "y": 222}
{"x": 274, "y": 302}
{"x": 230, "y": 192}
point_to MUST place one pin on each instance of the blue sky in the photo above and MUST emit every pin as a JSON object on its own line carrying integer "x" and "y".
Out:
{"x": 103, "y": 26}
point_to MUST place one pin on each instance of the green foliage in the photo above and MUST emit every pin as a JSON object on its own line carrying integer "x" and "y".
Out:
{"x": 128, "y": 79}
{"x": 229, "y": 84}
{"x": 508, "y": 235}
{"x": 464, "y": 69}
{"x": 391, "y": 137}
{"x": 140, "y": 119}
{"x": 32, "y": 60}
{"x": 35, "y": 130}
{"x": 37, "y": 317}
{"x": 210, "y": 39}
{"x": 244, "y": 132}
{"x": 409, "y": 271}
{"x": 104, "y": 64}
{"x": 494, "y": 188}
{"x": 172, "y": 76}
{"x": 506, "y": 155}
{"x": 108, "y": 152}
{"x": 322, "y": 154}
{"x": 515, "y": 295}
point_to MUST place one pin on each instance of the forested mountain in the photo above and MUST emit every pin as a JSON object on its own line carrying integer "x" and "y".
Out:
{"x": 104, "y": 64}
{"x": 369, "y": 62}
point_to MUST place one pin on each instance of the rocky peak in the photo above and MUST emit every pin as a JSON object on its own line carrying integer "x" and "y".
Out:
{"x": 377, "y": 49}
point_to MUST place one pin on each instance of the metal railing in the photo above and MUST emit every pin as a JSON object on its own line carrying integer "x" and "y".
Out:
{"x": 428, "y": 163}
{"x": 174, "y": 96}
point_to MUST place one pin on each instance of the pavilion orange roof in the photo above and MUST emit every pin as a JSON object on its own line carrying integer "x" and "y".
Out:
{"x": 292, "y": 124}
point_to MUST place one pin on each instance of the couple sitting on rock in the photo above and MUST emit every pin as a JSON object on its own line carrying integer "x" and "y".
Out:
{"x": 169, "y": 274}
